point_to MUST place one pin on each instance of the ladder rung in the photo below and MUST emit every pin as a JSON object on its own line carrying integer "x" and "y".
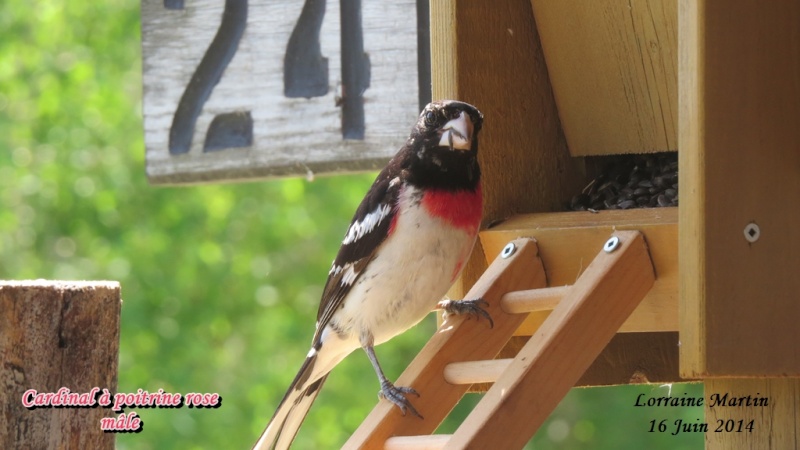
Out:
{"x": 471, "y": 372}
{"x": 429, "y": 442}
{"x": 531, "y": 300}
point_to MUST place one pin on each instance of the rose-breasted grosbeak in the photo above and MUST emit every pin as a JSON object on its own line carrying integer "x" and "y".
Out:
{"x": 406, "y": 245}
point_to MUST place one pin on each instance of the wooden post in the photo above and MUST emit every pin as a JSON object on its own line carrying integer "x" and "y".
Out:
{"x": 739, "y": 68}
{"x": 740, "y": 111}
{"x": 57, "y": 334}
{"x": 775, "y": 425}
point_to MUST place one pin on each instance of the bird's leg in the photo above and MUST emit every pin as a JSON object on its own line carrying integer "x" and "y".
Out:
{"x": 395, "y": 394}
{"x": 471, "y": 307}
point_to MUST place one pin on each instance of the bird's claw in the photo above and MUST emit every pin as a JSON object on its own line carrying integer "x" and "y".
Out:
{"x": 397, "y": 395}
{"x": 471, "y": 307}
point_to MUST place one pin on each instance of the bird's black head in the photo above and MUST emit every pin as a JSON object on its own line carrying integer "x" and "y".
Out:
{"x": 449, "y": 124}
{"x": 443, "y": 145}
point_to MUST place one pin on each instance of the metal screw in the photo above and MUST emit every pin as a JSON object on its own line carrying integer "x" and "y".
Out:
{"x": 508, "y": 250}
{"x": 752, "y": 232}
{"x": 611, "y": 244}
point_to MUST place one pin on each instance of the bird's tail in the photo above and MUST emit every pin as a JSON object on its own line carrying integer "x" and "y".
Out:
{"x": 292, "y": 410}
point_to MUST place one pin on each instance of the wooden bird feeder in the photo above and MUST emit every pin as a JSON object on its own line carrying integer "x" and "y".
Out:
{"x": 706, "y": 291}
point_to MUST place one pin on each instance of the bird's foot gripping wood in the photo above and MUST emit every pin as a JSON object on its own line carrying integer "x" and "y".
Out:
{"x": 397, "y": 395}
{"x": 472, "y": 307}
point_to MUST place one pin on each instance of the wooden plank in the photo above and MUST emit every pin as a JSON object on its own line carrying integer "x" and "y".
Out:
{"x": 739, "y": 135}
{"x": 569, "y": 240}
{"x": 488, "y": 54}
{"x": 613, "y": 66}
{"x": 457, "y": 340}
{"x": 57, "y": 334}
{"x": 278, "y": 74}
{"x": 775, "y": 425}
{"x": 561, "y": 351}
{"x": 636, "y": 358}
{"x": 691, "y": 231}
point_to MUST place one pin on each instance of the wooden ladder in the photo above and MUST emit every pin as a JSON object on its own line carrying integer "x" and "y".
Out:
{"x": 528, "y": 387}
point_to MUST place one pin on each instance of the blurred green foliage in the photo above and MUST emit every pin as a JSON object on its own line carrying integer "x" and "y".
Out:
{"x": 220, "y": 283}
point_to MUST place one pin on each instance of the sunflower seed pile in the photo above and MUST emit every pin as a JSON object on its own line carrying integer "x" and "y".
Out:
{"x": 632, "y": 181}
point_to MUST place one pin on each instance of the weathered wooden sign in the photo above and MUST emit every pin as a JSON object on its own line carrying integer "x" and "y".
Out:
{"x": 246, "y": 89}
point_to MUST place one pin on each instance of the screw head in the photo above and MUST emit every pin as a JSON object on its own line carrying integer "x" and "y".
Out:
{"x": 508, "y": 250}
{"x": 752, "y": 232}
{"x": 611, "y": 244}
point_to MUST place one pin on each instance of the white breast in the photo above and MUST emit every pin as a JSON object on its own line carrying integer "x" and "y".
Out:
{"x": 412, "y": 272}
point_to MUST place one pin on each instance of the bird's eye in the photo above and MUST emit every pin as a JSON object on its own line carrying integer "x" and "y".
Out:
{"x": 430, "y": 118}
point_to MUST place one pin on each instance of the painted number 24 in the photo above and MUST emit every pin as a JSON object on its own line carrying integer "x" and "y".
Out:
{"x": 305, "y": 75}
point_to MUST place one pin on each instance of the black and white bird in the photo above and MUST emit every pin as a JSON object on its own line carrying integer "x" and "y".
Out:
{"x": 406, "y": 245}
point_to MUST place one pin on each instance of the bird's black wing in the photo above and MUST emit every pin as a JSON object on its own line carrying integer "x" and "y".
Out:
{"x": 370, "y": 226}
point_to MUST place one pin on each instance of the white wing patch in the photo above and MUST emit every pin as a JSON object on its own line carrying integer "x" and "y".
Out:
{"x": 349, "y": 275}
{"x": 360, "y": 228}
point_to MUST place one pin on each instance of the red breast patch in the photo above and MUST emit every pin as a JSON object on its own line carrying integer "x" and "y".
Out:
{"x": 461, "y": 209}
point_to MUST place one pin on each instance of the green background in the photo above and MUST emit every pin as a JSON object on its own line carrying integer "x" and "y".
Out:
{"x": 220, "y": 283}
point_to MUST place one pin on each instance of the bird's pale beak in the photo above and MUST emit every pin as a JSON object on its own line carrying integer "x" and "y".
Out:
{"x": 457, "y": 133}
